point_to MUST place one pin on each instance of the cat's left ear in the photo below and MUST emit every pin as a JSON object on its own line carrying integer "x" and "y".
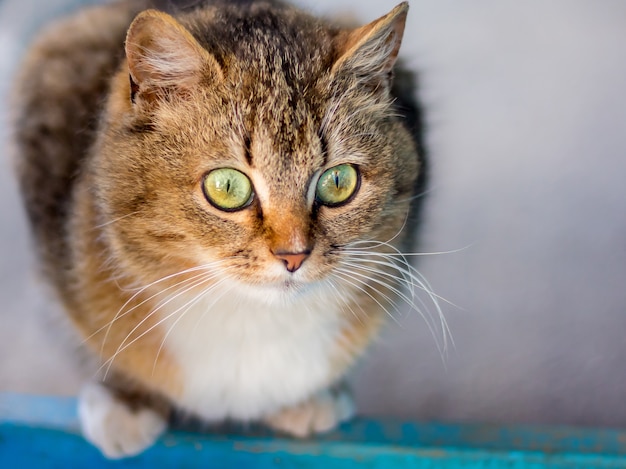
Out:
{"x": 372, "y": 50}
{"x": 164, "y": 56}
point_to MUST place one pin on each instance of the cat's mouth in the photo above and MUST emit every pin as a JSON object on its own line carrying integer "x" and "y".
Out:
{"x": 288, "y": 289}
{"x": 274, "y": 292}
{"x": 291, "y": 285}
{"x": 287, "y": 286}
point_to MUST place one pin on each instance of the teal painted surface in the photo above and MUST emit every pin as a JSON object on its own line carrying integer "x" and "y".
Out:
{"x": 43, "y": 432}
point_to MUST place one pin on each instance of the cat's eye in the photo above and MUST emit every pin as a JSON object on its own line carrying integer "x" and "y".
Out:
{"x": 337, "y": 185}
{"x": 227, "y": 189}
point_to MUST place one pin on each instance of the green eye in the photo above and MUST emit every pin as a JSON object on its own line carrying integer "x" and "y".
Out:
{"x": 337, "y": 184}
{"x": 227, "y": 189}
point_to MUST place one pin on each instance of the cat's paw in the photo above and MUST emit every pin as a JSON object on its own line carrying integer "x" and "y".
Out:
{"x": 320, "y": 414}
{"x": 113, "y": 427}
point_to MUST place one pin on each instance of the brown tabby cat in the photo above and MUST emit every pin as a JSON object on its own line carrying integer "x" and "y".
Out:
{"x": 219, "y": 196}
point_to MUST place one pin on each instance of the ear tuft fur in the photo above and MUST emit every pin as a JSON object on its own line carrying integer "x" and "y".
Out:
{"x": 372, "y": 50}
{"x": 162, "y": 54}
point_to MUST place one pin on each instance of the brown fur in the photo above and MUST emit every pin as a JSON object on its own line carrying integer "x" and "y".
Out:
{"x": 114, "y": 143}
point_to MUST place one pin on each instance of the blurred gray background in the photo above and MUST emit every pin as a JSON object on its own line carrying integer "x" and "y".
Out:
{"x": 526, "y": 113}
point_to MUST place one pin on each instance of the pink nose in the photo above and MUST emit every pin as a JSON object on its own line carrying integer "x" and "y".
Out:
{"x": 292, "y": 260}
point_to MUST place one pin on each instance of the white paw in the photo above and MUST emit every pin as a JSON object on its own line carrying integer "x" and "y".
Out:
{"x": 109, "y": 424}
{"x": 319, "y": 414}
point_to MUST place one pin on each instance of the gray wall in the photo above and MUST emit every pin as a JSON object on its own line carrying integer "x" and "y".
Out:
{"x": 527, "y": 134}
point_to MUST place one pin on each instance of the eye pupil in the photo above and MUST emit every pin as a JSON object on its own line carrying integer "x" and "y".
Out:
{"x": 336, "y": 175}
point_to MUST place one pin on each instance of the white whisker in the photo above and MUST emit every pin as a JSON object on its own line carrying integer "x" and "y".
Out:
{"x": 187, "y": 307}
{"x": 115, "y": 220}
{"x": 345, "y": 277}
{"x": 410, "y": 271}
{"x": 374, "y": 266}
{"x": 337, "y": 294}
{"x": 123, "y": 345}
{"x": 410, "y": 302}
{"x": 208, "y": 308}
{"x": 384, "y": 273}
{"x": 377, "y": 244}
{"x": 119, "y": 314}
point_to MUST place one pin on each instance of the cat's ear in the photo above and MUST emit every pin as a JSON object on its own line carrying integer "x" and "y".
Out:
{"x": 372, "y": 50}
{"x": 163, "y": 56}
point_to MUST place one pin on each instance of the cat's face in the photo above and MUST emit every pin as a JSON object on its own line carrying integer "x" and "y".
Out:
{"x": 266, "y": 173}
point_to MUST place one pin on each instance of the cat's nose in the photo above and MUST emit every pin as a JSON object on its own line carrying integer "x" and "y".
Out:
{"x": 292, "y": 260}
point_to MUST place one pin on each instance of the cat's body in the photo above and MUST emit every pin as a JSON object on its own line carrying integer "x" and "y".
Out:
{"x": 248, "y": 309}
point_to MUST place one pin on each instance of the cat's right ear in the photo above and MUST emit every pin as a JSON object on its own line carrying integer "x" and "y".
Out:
{"x": 163, "y": 57}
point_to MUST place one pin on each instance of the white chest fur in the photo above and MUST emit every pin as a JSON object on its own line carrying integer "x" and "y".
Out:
{"x": 243, "y": 358}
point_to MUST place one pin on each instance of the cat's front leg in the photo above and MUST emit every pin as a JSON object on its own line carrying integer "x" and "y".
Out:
{"x": 321, "y": 413}
{"x": 120, "y": 425}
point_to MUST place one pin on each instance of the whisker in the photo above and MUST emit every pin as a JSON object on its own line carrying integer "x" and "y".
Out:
{"x": 427, "y": 319}
{"x": 339, "y": 296}
{"x": 119, "y": 314}
{"x": 374, "y": 279}
{"x": 434, "y": 298}
{"x": 345, "y": 277}
{"x": 416, "y": 196}
{"x": 393, "y": 263}
{"x": 365, "y": 282}
{"x": 376, "y": 271}
{"x": 420, "y": 282}
{"x": 363, "y": 252}
{"x": 189, "y": 270}
{"x": 115, "y": 220}
{"x": 377, "y": 244}
{"x": 123, "y": 345}
{"x": 410, "y": 271}
{"x": 211, "y": 305}
{"x": 187, "y": 307}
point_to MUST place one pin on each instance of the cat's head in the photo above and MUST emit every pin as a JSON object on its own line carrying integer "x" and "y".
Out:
{"x": 261, "y": 144}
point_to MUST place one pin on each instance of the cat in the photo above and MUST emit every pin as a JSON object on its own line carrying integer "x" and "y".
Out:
{"x": 219, "y": 193}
